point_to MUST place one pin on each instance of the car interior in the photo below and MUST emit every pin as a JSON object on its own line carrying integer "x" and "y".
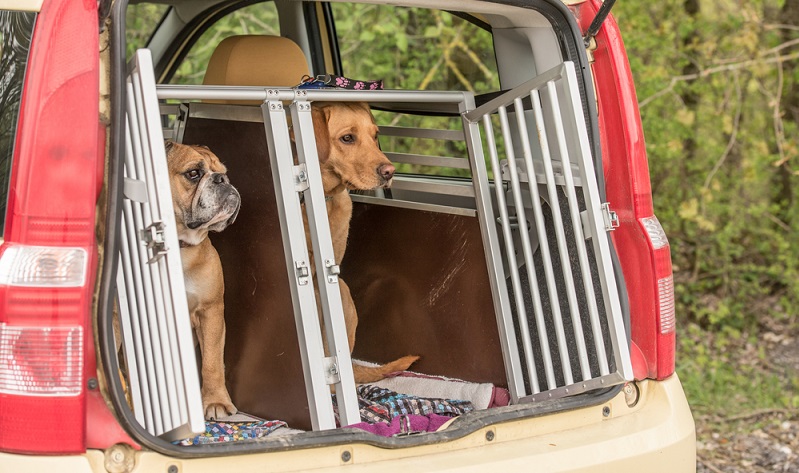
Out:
{"x": 419, "y": 255}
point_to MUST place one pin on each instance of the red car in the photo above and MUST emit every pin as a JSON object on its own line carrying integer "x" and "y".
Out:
{"x": 516, "y": 250}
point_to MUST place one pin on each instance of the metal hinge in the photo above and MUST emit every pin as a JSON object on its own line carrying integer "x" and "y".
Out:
{"x": 153, "y": 238}
{"x": 300, "y": 177}
{"x": 302, "y": 272}
{"x": 330, "y": 365}
{"x": 333, "y": 270}
{"x": 611, "y": 218}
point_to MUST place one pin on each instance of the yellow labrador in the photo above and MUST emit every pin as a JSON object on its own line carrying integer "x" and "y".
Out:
{"x": 350, "y": 159}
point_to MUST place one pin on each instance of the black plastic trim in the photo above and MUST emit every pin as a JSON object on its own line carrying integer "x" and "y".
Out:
{"x": 471, "y": 19}
{"x": 314, "y": 38}
{"x": 332, "y": 38}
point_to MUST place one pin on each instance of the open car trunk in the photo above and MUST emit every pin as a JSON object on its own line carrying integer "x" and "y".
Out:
{"x": 503, "y": 279}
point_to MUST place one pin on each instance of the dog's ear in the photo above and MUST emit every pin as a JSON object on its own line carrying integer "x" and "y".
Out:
{"x": 168, "y": 144}
{"x": 320, "y": 116}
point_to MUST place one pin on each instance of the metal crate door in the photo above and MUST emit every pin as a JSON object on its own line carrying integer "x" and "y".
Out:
{"x": 558, "y": 305}
{"x": 153, "y": 311}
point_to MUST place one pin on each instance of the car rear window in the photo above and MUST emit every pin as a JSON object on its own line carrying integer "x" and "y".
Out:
{"x": 415, "y": 48}
{"x": 15, "y": 30}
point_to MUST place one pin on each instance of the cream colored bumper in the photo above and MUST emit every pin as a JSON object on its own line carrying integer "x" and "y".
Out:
{"x": 655, "y": 435}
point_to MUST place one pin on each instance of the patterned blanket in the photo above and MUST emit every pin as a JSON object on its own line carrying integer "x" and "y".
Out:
{"x": 220, "y": 432}
{"x": 382, "y": 405}
{"x": 383, "y": 411}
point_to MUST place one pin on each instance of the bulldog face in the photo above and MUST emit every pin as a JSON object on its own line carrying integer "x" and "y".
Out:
{"x": 202, "y": 196}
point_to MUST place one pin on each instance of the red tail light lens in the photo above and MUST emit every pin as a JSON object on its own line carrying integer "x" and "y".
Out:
{"x": 47, "y": 259}
{"x": 640, "y": 241}
{"x": 41, "y": 361}
{"x": 664, "y": 296}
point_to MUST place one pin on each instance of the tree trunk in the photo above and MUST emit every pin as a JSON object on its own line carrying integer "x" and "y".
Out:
{"x": 783, "y": 180}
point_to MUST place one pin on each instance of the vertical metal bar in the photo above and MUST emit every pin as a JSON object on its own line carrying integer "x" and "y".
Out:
{"x": 296, "y": 251}
{"x": 579, "y": 236}
{"x": 507, "y": 328}
{"x": 601, "y": 244}
{"x": 173, "y": 285}
{"x": 491, "y": 244}
{"x": 144, "y": 356}
{"x": 179, "y": 328}
{"x": 526, "y": 248}
{"x": 560, "y": 234}
{"x": 557, "y": 317}
{"x": 161, "y": 334}
{"x": 151, "y": 313}
{"x": 125, "y": 307}
{"x": 329, "y": 290}
{"x": 140, "y": 281}
{"x": 162, "y": 321}
{"x": 537, "y": 215}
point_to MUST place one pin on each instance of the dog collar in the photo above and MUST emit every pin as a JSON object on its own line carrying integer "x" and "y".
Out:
{"x": 324, "y": 81}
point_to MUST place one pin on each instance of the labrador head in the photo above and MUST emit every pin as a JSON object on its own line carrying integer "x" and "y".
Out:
{"x": 349, "y": 154}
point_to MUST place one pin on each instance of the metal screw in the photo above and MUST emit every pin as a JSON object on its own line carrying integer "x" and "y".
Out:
{"x": 92, "y": 383}
{"x": 606, "y": 411}
{"x": 346, "y": 456}
{"x": 490, "y": 435}
{"x": 172, "y": 469}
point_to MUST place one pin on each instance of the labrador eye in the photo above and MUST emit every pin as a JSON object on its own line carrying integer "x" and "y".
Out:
{"x": 193, "y": 175}
{"x": 348, "y": 139}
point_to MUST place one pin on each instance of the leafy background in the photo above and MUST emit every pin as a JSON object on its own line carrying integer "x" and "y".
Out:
{"x": 718, "y": 91}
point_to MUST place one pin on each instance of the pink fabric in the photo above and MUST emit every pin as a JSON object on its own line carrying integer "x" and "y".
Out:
{"x": 500, "y": 397}
{"x": 404, "y": 424}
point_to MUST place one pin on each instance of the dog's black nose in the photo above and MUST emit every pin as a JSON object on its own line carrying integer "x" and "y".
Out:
{"x": 220, "y": 178}
{"x": 386, "y": 171}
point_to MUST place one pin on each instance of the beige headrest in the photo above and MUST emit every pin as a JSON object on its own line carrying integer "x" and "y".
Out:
{"x": 256, "y": 60}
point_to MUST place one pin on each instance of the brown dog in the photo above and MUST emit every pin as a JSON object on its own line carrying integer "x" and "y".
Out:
{"x": 204, "y": 200}
{"x": 350, "y": 159}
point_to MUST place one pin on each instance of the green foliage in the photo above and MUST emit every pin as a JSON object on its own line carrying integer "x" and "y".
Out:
{"x": 728, "y": 372}
{"x": 416, "y": 49}
{"x": 140, "y": 20}
{"x": 720, "y": 123}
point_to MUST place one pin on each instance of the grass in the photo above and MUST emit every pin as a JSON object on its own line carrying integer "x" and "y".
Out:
{"x": 728, "y": 373}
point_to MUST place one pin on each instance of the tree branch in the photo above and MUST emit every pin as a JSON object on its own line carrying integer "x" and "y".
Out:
{"x": 715, "y": 70}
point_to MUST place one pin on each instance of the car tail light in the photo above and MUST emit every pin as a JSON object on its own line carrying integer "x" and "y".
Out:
{"x": 48, "y": 256}
{"x": 664, "y": 295}
{"x": 640, "y": 241}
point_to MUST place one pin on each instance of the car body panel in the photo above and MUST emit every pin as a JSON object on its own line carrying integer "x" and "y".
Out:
{"x": 21, "y": 5}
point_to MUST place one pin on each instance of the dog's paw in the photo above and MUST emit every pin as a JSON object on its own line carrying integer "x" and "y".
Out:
{"x": 217, "y": 410}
